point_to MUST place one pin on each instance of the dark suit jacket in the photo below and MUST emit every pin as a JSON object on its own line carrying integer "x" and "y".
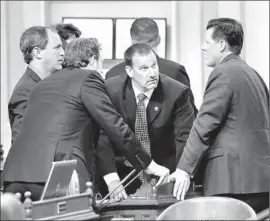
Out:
{"x": 231, "y": 131}
{"x": 18, "y": 100}
{"x": 170, "y": 117}
{"x": 62, "y": 121}
{"x": 167, "y": 67}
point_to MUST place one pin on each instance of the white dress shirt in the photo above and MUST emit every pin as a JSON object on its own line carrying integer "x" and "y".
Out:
{"x": 111, "y": 177}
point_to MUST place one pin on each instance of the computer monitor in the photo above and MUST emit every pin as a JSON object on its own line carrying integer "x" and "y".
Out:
{"x": 59, "y": 178}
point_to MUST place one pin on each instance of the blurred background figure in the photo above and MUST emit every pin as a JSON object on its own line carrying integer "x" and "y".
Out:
{"x": 67, "y": 33}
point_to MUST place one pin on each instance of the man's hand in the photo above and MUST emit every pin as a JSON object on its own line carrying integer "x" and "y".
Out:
{"x": 127, "y": 163}
{"x": 116, "y": 195}
{"x": 182, "y": 182}
{"x": 160, "y": 171}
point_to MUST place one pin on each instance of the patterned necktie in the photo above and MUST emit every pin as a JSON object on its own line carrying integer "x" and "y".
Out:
{"x": 141, "y": 129}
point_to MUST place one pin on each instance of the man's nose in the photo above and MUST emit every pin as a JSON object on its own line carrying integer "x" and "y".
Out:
{"x": 203, "y": 47}
{"x": 62, "y": 51}
{"x": 152, "y": 72}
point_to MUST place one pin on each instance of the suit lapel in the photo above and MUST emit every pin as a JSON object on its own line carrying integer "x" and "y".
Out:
{"x": 32, "y": 74}
{"x": 129, "y": 103}
{"x": 155, "y": 104}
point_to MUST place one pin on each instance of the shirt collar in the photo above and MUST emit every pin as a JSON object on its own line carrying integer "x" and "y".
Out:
{"x": 137, "y": 91}
{"x": 38, "y": 72}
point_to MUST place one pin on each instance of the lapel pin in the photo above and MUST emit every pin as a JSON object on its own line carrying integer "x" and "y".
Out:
{"x": 156, "y": 108}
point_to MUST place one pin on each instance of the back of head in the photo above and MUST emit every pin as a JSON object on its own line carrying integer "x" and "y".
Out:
{"x": 11, "y": 208}
{"x": 138, "y": 48}
{"x": 79, "y": 52}
{"x": 67, "y": 30}
{"x": 35, "y": 36}
{"x": 230, "y": 30}
{"x": 145, "y": 30}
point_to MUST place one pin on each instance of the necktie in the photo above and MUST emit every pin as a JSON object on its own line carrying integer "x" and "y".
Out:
{"x": 141, "y": 129}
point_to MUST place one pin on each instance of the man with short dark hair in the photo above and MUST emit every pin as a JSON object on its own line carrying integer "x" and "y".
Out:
{"x": 156, "y": 107}
{"x": 230, "y": 135}
{"x": 67, "y": 33}
{"x": 145, "y": 30}
{"x": 43, "y": 53}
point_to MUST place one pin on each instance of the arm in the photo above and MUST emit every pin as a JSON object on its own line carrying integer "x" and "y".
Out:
{"x": 213, "y": 111}
{"x": 183, "y": 120}
{"x": 105, "y": 157}
{"x": 182, "y": 77}
{"x": 106, "y": 166}
{"x": 16, "y": 108}
{"x": 216, "y": 104}
{"x": 98, "y": 103}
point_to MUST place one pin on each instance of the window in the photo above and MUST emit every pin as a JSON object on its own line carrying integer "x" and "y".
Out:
{"x": 114, "y": 34}
{"x": 100, "y": 28}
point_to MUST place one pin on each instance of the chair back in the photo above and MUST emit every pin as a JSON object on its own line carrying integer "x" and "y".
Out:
{"x": 209, "y": 208}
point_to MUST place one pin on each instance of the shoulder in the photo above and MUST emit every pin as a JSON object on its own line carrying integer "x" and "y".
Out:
{"x": 116, "y": 70}
{"x": 225, "y": 74}
{"x": 23, "y": 88}
{"x": 73, "y": 73}
{"x": 172, "y": 86}
{"x": 228, "y": 71}
{"x": 91, "y": 79}
{"x": 174, "y": 70}
{"x": 115, "y": 84}
{"x": 165, "y": 63}
{"x": 170, "y": 63}
{"x": 117, "y": 80}
{"x": 25, "y": 81}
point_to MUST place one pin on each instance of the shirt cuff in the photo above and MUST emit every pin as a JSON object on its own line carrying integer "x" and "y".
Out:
{"x": 109, "y": 178}
{"x": 183, "y": 172}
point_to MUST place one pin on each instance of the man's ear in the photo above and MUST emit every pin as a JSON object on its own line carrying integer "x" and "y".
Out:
{"x": 37, "y": 53}
{"x": 129, "y": 71}
{"x": 223, "y": 45}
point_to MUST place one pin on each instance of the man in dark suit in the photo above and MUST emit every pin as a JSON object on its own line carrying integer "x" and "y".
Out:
{"x": 168, "y": 111}
{"x": 43, "y": 53}
{"x": 145, "y": 30}
{"x": 230, "y": 135}
{"x": 62, "y": 121}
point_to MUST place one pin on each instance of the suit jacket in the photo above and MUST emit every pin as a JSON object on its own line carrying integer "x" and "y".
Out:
{"x": 18, "y": 100}
{"x": 167, "y": 67}
{"x": 169, "y": 114}
{"x": 62, "y": 121}
{"x": 230, "y": 135}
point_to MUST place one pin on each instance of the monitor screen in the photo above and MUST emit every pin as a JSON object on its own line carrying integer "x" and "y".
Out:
{"x": 59, "y": 179}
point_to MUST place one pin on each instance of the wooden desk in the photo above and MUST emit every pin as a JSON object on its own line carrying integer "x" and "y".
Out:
{"x": 146, "y": 204}
{"x": 76, "y": 207}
